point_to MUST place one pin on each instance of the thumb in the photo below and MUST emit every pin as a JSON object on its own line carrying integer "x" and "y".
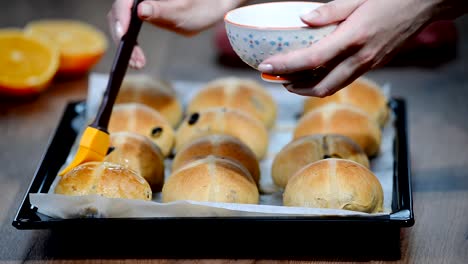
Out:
{"x": 332, "y": 12}
{"x": 160, "y": 13}
{"x": 119, "y": 18}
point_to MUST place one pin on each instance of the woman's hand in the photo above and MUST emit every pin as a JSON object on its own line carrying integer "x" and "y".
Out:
{"x": 369, "y": 33}
{"x": 186, "y": 17}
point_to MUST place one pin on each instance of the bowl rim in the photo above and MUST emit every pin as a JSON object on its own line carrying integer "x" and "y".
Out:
{"x": 226, "y": 20}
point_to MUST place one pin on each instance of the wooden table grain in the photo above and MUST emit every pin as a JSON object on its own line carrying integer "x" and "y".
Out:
{"x": 437, "y": 100}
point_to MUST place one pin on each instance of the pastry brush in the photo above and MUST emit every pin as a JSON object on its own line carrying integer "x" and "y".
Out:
{"x": 95, "y": 141}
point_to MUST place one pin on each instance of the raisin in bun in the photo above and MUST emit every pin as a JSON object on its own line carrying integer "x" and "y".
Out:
{"x": 308, "y": 149}
{"x": 223, "y": 146}
{"x": 106, "y": 179}
{"x": 336, "y": 184}
{"x": 139, "y": 154}
{"x": 344, "y": 120}
{"x": 155, "y": 93}
{"x": 211, "y": 179}
{"x": 362, "y": 93}
{"x": 224, "y": 121}
{"x": 141, "y": 119}
{"x": 237, "y": 93}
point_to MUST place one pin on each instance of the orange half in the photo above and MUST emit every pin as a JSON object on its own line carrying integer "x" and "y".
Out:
{"x": 27, "y": 64}
{"x": 81, "y": 45}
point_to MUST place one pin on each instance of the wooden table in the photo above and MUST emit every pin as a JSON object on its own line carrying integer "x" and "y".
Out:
{"x": 437, "y": 100}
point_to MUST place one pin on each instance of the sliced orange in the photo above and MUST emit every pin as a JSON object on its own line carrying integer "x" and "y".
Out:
{"x": 81, "y": 45}
{"x": 27, "y": 64}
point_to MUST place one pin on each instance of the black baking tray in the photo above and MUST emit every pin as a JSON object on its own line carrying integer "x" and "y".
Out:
{"x": 287, "y": 228}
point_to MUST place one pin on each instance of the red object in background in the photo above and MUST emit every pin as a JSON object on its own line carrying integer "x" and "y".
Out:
{"x": 438, "y": 40}
{"x": 435, "y": 35}
{"x": 222, "y": 42}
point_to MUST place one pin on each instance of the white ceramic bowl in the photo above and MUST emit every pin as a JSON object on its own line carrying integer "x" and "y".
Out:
{"x": 258, "y": 31}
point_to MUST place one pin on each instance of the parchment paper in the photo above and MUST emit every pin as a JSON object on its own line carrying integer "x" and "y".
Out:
{"x": 289, "y": 107}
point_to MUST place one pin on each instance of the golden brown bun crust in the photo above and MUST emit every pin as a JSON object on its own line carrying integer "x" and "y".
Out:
{"x": 211, "y": 180}
{"x": 362, "y": 93}
{"x": 224, "y": 121}
{"x": 305, "y": 150}
{"x": 223, "y": 146}
{"x": 237, "y": 93}
{"x": 143, "y": 120}
{"x": 106, "y": 179}
{"x": 157, "y": 94}
{"x": 343, "y": 120}
{"x": 336, "y": 184}
{"x": 139, "y": 154}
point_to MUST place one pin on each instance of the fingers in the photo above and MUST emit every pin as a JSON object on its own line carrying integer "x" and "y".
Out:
{"x": 342, "y": 75}
{"x": 319, "y": 54}
{"x": 119, "y": 18}
{"x": 330, "y": 51}
{"x": 331, "y": 12}
{"x": 137, "y": 60}
{"x": 161, "y": 13}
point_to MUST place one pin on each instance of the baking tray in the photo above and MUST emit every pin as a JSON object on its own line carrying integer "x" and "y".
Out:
{"x": 286, "y": 227}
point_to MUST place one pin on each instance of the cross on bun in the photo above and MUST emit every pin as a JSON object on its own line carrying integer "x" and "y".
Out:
{"x": 106, "y": 179}
{"x": 362, "y": 93}
{"x": 155, "y": 93}
{"x": 337, "y": 184}
{"x": 308, "y": 149}
{"x": 224, "y": 121}
{"x": 141, "y": 119}
{"x": 237, "y": 93}
{"x": 211, "y": 179}
{"x": 139, "y": 154}
{"x": 223, "y": 146}
{"x": 344, "y": 120}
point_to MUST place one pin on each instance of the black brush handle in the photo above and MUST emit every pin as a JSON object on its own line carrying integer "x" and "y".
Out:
{"x": 118, "y": 71}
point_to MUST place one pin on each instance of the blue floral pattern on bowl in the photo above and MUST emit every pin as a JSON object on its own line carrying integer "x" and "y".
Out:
{"x": 254, "y": 45}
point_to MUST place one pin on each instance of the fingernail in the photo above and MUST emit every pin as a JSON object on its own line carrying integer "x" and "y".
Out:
{"x": 146, "y": 10}
{"x": 267, "y": 68}
{"x": 118, "y": 30}
{"x": 310, "y": 16}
